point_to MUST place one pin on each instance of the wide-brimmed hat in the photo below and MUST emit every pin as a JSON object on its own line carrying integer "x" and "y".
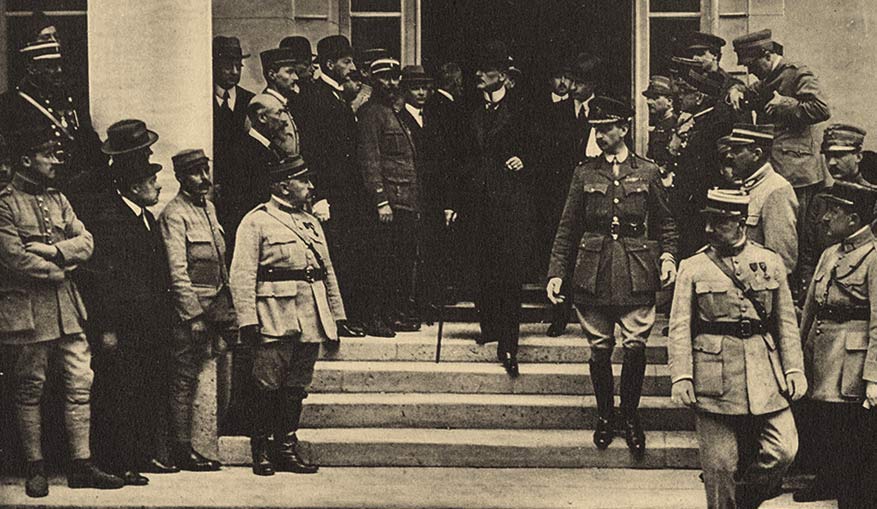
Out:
{"x": 726, "y": 202}
{"x": 228, "y": 47}
{"x": 127, "y": 136}
{"x": 287, "y": 168}
{"x": 300, "y": 48}
{"x": 187, "y": 160}
{"x": 415, "y": 74}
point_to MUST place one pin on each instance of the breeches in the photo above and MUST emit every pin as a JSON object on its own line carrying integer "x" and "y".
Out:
{"x": 634, "y": 325}
{"x": 284, "y": 364}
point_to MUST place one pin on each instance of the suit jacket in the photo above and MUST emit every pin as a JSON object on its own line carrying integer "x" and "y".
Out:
{"x": 245, "y": 184}
{"x": 227, "y": 127}
{"x": 130, "y": 279}
{"x": 386, "y": 154}
{"x": 276, "y": 236}
{"x": 795, "y": 153}
{"x": 441, "y": 144}
{"x": 38, "y": 299}
{"x": 841, "y": 356}
{"x": 732, "y": 375}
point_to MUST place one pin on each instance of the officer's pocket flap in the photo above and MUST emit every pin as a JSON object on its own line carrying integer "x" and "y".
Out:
{"x": 635, "y": 187}
{"x": 766, "y": 284}
{"x": 592, "y": 244}
{"x": 198, "y": 236}
{"x": 703, "y": 287}
{"x": 856, "y": 340}
{"x": 707, "y": 344}
{"x": 596, "y": 188}
{"x": 281, "y": 237}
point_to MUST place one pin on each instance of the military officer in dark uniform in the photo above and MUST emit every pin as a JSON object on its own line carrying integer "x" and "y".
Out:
{"x": 735, "y": 358}
{"x": 839, "y": 324}
{"x": 706, "y": 50}
{"x": 662, "y": 119}
{"x": 287, "y": 302}
{"x": 616, "y": 204}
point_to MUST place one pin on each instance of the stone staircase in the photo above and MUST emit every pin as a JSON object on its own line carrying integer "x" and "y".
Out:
{"x": 385, "y": 402}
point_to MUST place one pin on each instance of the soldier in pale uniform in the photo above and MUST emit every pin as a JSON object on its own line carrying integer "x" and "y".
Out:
{"x": 839, "y": 324}
{"x": 287, "y": 301}
{"x": 603, "y": 244}
{"x": 735, "y": 358}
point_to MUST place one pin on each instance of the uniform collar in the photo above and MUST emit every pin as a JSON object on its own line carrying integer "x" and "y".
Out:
{"x": 27, "y": 183}
{"x": 734, "y": 250}
{"x": 858, "y": 239}
{"x": 198, "y": 201}
{"x": 280, "y": 97}
{"x": 759, "y": 176}
{"x": 622, "y": 155}
{"x": 283, "y": 205}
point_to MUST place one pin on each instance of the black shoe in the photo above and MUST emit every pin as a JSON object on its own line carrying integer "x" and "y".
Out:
{"x": 131, "y": 478}
{"x": 603, "y": 434}
{"x": 261, "y": 462}
{"x": 348, "y": 330}
{"x": 556, "y": 329}
{"x": 405, "y": 326}
{"x": 812, "y": 493}
{"x": 380, "y": 329}
{"x": 332, "y": 345}
{"x": 187, "y": 458}
{"x": 157, "y": 466}
{"x": 83, "y": 474}
{"x": 288, "y": 460}
{"x": 510, "y": 363}
{"x": 635, "y": 437}
{"x": 37, "y": 485}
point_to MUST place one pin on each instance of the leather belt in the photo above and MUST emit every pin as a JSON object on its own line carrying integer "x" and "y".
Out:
{"x": 743, "y": 329}
{"x": 309, "y": 274}
{"x": 619, "y": 229}
{"x": 840, "y": 315}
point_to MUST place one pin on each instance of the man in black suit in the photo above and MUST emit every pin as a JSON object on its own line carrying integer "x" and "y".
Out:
{"x": 131, "y": 319}
{"x": 304, "y": 68}
{"x": 229, "y": 102}
{"x": 328, "y": 129}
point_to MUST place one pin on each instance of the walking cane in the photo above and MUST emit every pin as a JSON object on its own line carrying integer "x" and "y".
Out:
{"x": 441, "y": 309}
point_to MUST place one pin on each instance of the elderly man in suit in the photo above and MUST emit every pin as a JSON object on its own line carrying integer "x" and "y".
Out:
{"x": 195, "y": 247}
{"x": 42, "y": 316}
{"x": 735, "y": 358}
{"x": 287, "y": 301}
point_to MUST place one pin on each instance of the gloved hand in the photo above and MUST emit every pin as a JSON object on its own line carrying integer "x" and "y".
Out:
{"x": 249, "y": 335}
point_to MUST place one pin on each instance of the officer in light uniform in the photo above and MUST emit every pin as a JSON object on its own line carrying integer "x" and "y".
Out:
{"x": 840, "y": 326}
{"x": 287, "y": 302}
{"x": 735, "y": 358}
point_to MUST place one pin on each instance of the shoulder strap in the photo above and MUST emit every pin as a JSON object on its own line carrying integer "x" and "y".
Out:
{"x": 307, "y": 242}
{"x": 747, "y": 291}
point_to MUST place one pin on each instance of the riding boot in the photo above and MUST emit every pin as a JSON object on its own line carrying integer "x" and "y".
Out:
{"x": 287, "y": 458}
{"x": 259, "y": 439}
{"x": 601, "y": 378}
{"x": 632, "y": 376}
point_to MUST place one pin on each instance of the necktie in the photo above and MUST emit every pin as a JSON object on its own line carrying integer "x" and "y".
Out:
{"x": 420, "y": 118}
{"x": 615, "y": 169}
{"x": 225, "y": 98}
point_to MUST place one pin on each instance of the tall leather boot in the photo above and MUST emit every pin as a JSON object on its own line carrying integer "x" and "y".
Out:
{"x": 259, "y": 439}
{"x": 287, "y": 458}
{"x": 601, "y": 377}
{"x": 632, "y": 375}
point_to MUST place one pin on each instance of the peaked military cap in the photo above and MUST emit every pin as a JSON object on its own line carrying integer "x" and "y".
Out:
{"x": 34, "y": 138}
{"x": 278, "y": 57}
{"x": 747, "y": 134}
{"x": 753, "y": 45}
{"x": 842, "y": 138}
{"x": 853, "y": 197}
{"x": 385, "y": 65}
{"x": 659, "y": 86}
{"x": 366, "y": 57}
{"x": 189, "y": 159}
{"x": 127, "y": 136}
{"x": 605, "y": 110}
{"x": 334, "y": 47}
{"x": 290, "y": 167}
{"x": 300, "y": 48}
{"x": 702, "y": 40}
{"x": 726, "y": 202}
{"x": 38, "y": 51}
{"x": 228, "y": 47}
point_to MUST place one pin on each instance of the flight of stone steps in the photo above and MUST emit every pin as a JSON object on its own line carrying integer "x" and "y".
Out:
{"x": 385, "y": 402}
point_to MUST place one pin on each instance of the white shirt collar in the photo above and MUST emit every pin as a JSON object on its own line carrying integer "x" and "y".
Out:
{"x": 557, "y": 98}
{"x": 261, "y": 139}
{"x": 415, "y": 112}
{"x": 136, "y": 209}
{"x": 586, "y": 103}
{"x": 280, "y": 97}
{"x": 776, "y": 63}
{"x": 494, "y": 97}
{"x": 758, "y": 176}
{"x": 332, "y": 83}
{"x": 621, "y": 155}
{"x": 446, "y": 94}
{"x": 218, "y": 92}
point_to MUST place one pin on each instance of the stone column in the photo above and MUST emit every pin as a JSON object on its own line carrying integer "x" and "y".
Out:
{"x": 152, "y": 60}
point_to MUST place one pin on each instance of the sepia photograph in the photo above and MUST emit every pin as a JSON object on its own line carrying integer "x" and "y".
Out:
{"x": 474, "y": 254}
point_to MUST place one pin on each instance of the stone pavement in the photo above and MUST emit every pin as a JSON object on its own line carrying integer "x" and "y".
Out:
{"x": 398, "y": 488}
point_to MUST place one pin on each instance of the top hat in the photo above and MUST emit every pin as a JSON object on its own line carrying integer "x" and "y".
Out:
{"x": 413, "y": 74}
{"x": 290, "y": 167}
{"x": 854, "y": 197}
{"x": 277, "y": 57}
{"x": 659, "y": 86}
{"x": 753, "y": 45}
{"x": 493, "y": 55}
{"x": 128, "y": 136}
{"x": 300, "y": 47}
{"x": 227, "y": 47}
{"x": 701, "y": 40}
{"x": 726, "y": 202}
{"x": 605, "y": 110}
{"x": 189, "y": 159}
{"x": 584, "y": 67}
{"x": 333, "y": 47}
{"x": 842, "y": 138}
{"x": 747, "y": 134}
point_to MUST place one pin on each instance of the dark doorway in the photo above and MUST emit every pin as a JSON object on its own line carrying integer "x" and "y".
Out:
{"x": 535, "y": 32}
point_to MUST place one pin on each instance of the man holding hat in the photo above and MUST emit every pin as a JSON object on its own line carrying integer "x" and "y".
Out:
{"x": 281, "y": 81}
{"x": 132, "y": 317}
{"x": 328, "y": 129}
{"x": 662, "y": 119}
{"x": 735, "y": 357}
{"x": 287, "y": 301}
{"x": 195, "y": 247}
{"x": 386, "y": 155}
{"x": 789, "y": 96}
{"x": 616, "y": 204}
{"x": 840, "y": 348}
{"x": 773, "y": 207}
{"x": 41, "y": 242}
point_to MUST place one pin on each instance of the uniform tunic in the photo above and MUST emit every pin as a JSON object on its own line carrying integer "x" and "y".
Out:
{"x": 773, "y": 212}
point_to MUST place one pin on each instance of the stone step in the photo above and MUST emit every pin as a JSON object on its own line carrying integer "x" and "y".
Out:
{"x": 470, "y": 377}
{"x": 480, "y": 411}
{"x": 501, "y": 448}
{"x": 458, "y": 345}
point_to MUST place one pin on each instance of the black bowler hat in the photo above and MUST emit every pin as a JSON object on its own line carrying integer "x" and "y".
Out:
{"x": 853, "y": 197}
{"x": 493, "y": 55}
{"x": 415, "y": 74}
{"x": 333, "y": 47}
{"x": 228, "y": 47}
{"x": 605, "y": 110}
{"x": 277, "y": 57}
{"x": 300, "y": 48}
{"x": 290, "y": 167}
{"x": 701, "y": 40}
{"x": 128, "y": 136}
{"x": 726, "y": 202}
{"x": 585, "y": 67}
{"x": 133, "y": 169}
